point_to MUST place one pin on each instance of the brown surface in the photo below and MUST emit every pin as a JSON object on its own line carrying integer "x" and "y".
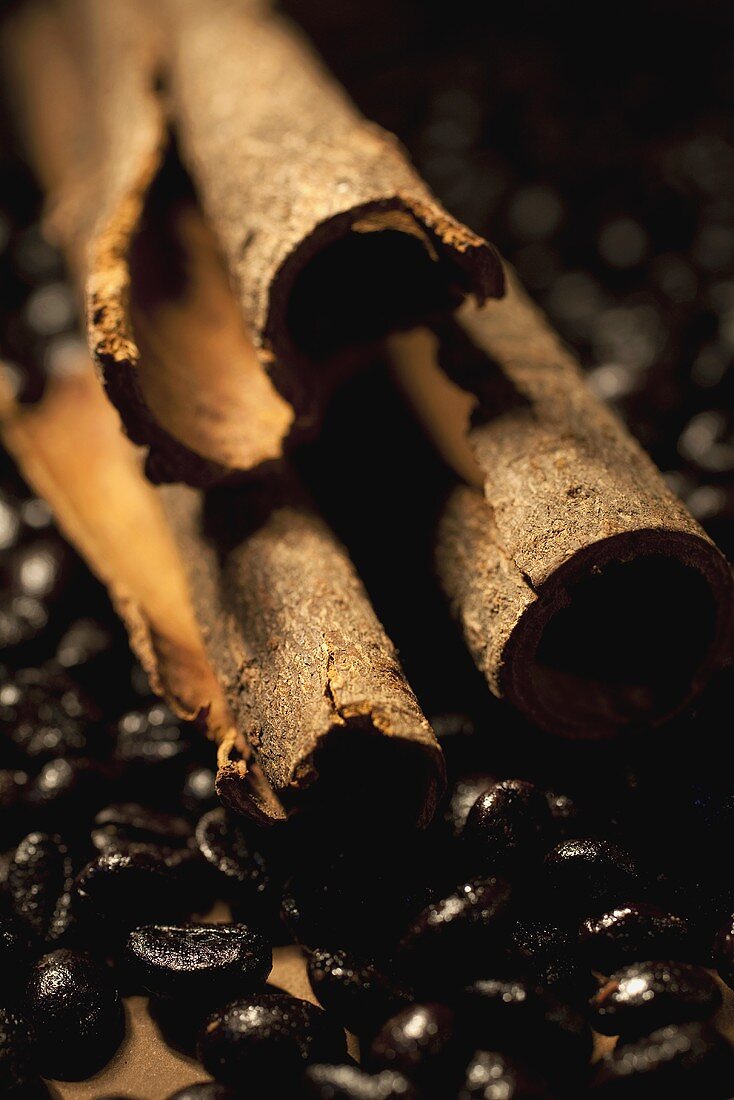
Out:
{"x": 567, "y": 492}
{"x": 286, "y": 166}
{"x": 277, "y": 185}
{"x": 312, "y": 679}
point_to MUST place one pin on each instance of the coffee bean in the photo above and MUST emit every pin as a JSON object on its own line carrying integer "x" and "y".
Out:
{"x": 45, "y": 715}
{"x": 225, "y": 844}
{"x": 128, "y": 823}
{"x": 508, "y": 824}
{"x": 125, "y": 889}
{"x": 76, "y": 1012}
{"x": 680, "y": 1061}
{"x": 353, "y": 1083}
{"x": 450, "y": 936}
{"x": 724, "y": 953}
{"x": 529, "y": 1024}
{"x": 199, "y": 794}
{"x": 491, "y": 1076}
{"x": 581, "y": 874}
{"x": 645, "y": 996}
{"x": 266, "y": 1039}
{"x": 424, "y": 1043}
{"x": 212, "y": 962}
{"x": 355, "y": 991}
{"x": 633, "y": 932}
{"x": 40, "y": 878}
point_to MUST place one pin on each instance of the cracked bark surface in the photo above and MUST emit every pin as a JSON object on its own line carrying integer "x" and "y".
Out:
{"x": 568, "y": 496}
{"x": 311, "y": 677}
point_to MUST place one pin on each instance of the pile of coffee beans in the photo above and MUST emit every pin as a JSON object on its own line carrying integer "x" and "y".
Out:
{"x": 563, "y": 895}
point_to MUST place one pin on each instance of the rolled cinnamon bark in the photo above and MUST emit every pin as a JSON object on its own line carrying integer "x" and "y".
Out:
{"x": 328, "y": 235}
{"x": 587, "y": 594}
{"x": 309, "y": 673}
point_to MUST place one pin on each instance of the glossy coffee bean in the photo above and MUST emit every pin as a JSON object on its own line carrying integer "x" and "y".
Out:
{"x": 213, "y": 963}
{"x": 125, "y": 823}
{"x": 352, "y": 1083}
{"x": 724, "y": 953}
{"x": 450, "y": 935}
{"x": 18, "y": 1059}
{"x": 228, "y": 848}
{"x": 15, "y": 955}
{"x": 355, "y": 991}
{"x": 582, "y": 874}
{"x": 266, "y": 1039}
{"x": 40, "y": 879}
{"x": 494, "y": 1076}
{"x": 424, "y": 1043}
{"x": 645, "y": 996}
{"x": 76, "y": 1012}
{"x": 633, "y": 932}
{"x": 545, "y": 953}
{"x": 508, "y": 824}
{"x": 204, "y": 1090}
{"x": 124, "y": 889}
{"x": 68, "y": 790}
{"x": 529, "y": 1023}
{"x": 681, "y": 1061}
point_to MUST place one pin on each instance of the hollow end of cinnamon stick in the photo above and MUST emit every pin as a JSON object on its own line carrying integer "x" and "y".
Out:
{"x": 622, "y": 636}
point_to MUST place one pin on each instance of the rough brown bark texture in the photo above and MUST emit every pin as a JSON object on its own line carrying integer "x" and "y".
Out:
{"x": 568, "y": 493}
{"x": 278, "y": 184}
{"x": 306, "y": 667}
{"x": 286, "y": 166}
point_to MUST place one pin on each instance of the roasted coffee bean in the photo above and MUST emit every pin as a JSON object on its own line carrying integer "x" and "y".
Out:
{"x": 18, "y": 1059}
{"x": 649, "y": 995}
{"x": 424, "y": 1043}
{"x": 508, "y": 824}
{"x": 529, "y": 1024}
{"x": 126, "y": 823}
{"x": 681, "y": 1061}
{"x": 355, "y": 991}
{"x": 204, "y": 1090}
{"x": 545, "y": 953}
{"x": 582, "y": 874}
{"x": 199, "y": 794}
{"x": 450, "y": 935}
{"x": 225, "y": 844}
{"x": 724, "y": 953}
{"x": 41, "y": 569}
{"x": 210, "y": 962}
{"x": 493, "y": 1076}
{"x": 23, "y": 621}
{"x": 40, "y": 878}
{"x": 125, "y": 889}
{"x": 45, "y": 715}
{"x": 633, "y": 932}
{"x": 77, "y": 1014}
{"x": 15, "y": 955}
{"x": 353, "y": 1083}
{"x": 266, "y": 1039}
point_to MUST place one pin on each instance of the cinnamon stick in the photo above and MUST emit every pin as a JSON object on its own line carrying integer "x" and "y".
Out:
{"x": 587, "y": 594}
{"x": 307, "y": 669}
{"x": 328, "y": 235}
